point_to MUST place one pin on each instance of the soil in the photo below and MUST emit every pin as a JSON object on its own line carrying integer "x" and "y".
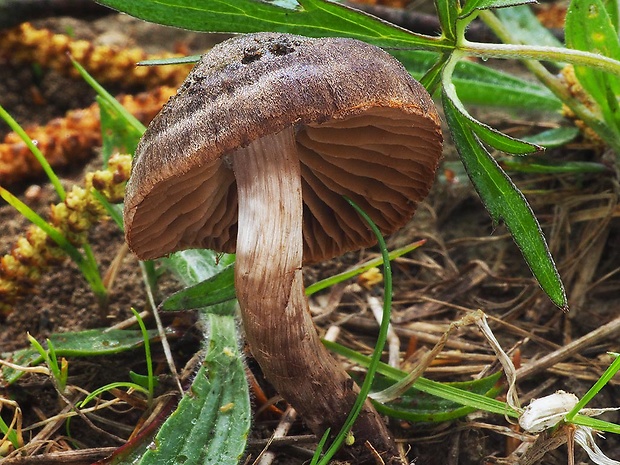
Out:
{"x": 467, "y": 263}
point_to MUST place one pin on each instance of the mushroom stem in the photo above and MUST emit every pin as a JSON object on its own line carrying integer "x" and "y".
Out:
{"x": 274, "y": 308}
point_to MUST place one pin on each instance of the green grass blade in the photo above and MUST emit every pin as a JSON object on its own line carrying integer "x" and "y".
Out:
{"x": 10, "y": 434}
{"x": 505, "y": 202}
{"x": 441, "y": 390}
{"x": 348, "y": 274}
{"x": 543, "y": 166}
{"x": 17, "y": 129}
{"x": 379, "y": 344}
{"x": 118, "y": 134}
{"x": 596, "y": 388}
{"x": 87, "y": 264}
{"x": 134, "y": 126}
{"x": 416, "y": 406}
{"x": 52, "y": 232}
{"x": 313, "y": 18}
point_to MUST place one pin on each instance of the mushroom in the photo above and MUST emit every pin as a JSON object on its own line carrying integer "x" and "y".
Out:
{"x": 254, "y": 155}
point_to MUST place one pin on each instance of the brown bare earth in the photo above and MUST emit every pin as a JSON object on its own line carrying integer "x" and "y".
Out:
{"x": 466, "y": 264}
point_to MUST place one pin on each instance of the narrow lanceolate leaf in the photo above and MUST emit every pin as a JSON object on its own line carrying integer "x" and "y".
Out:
{"x": 134, "y": 126}
{"x": 117, "y": 135}
{"x": 313, "y": 18}
{"x": 447, "y": 12}
{"x": 505, "y": 202}
{"x": 487, "y": 134}
{"x": 88, "y": 343}
{"x": 501, "y": 141}
{"x": 589, "y": 27}
{"x": 473, "y": 5}
{"x": 525, "y": 27}
{"x": 555, "y": 137}
{"x": 217, "y": 289}
{"x": 480, "y": 85}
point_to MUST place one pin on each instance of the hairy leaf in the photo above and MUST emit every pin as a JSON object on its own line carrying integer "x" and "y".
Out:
{"x": 505, "y": 202}
{"x": 313, "y": 18}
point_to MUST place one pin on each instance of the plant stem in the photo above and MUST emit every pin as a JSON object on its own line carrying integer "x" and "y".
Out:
{"x": 552, "y": 82}
{"x": 542, "y": 53}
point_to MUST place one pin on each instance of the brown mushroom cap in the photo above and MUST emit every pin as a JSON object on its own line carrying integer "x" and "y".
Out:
{"x": 364, "y": 129}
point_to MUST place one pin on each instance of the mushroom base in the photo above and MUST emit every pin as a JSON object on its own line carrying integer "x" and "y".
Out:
{"x": 274, "y": 308}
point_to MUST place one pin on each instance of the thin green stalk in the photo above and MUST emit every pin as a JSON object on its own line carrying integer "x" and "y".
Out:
{"x": 542, "y": 53}
{"x": 149, "y": 359}
{"x": 15, "y": 127}
{"x": 91, "y": 273}
{"x": 379, "y": 345}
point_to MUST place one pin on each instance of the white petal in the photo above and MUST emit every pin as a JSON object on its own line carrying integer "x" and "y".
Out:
{"x": 547, "y": 411}
{"x": 583, "y": 437}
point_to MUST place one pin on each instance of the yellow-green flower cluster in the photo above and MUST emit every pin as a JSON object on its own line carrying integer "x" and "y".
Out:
{"x": 27, "y": 44}
{"x": 35, "y": 251}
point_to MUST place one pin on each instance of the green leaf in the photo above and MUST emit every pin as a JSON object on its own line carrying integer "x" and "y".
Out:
{"x": 134, "y": 126}
{"x": 552, "y": 138}
{"x": 487, "y": 134}
{"x": 195, "y": 265}
{"x": 89, "y": 343}
{"x": 473, "y": 5}
{"x": 313, "y": 18}
{"x": 170, "y": 61}
{"x": 542, "y": 166}
{"x": 440, "y": 390}
{"x": 447, "y": 12}
{"x": 47, "y": 168}
{"x": 499, "y": 140}
{"x": 350, "y": 273}
{"x": 504, "y": 202}
{"x": 50, "y": 230}
{"x": 212, "y": 421}
{"x": 525, "y": 26}
{"x": 432, "y": 76}
{"x": 611, "y": 6}
{"x": 417, "y": 407}
{"x": 215, "y": 290}
{"x": 480, "y": 85}
{"x": 589, "y": 28}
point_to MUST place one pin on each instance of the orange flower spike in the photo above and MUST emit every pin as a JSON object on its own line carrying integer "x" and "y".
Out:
{"x": 26, "y": 44}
